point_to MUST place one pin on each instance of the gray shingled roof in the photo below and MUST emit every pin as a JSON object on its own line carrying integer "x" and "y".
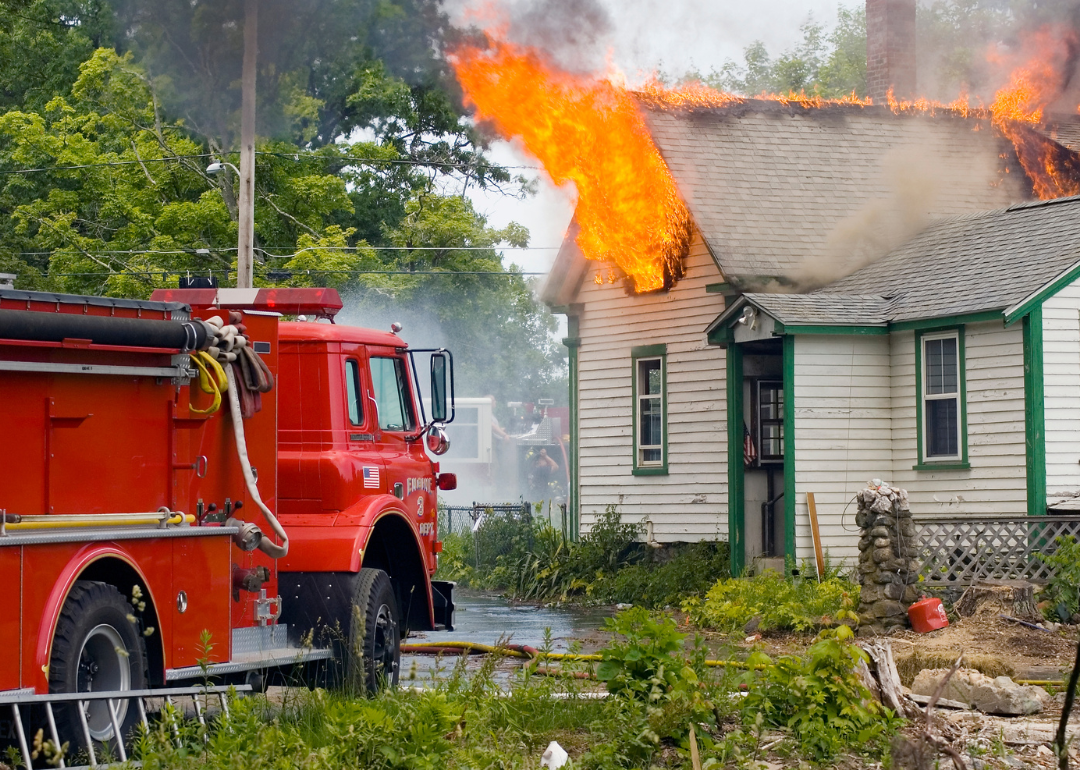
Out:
{"x": 770, "y": 185}
{"x": 1063, "y": 129}
{"x": 777, "y": 190}
{"x": 973, "y": 263}
{"x": 824, "y": 309}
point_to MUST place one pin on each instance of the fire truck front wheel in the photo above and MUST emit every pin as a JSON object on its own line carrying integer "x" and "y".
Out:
{"x": 97, "y": 648}
{"x": 374, "y": 643}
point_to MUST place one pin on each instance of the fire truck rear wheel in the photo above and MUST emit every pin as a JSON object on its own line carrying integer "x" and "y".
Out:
{"x": 374, "y": 644}
{"x": 97, "y": 648}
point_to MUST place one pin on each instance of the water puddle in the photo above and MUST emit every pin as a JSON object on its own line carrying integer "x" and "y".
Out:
{"x": 488, "y": 619}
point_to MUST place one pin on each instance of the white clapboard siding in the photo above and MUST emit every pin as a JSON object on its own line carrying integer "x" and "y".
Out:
{"x": 690, "y": 503}
{"x": 842, "y": 434}
{"x": 997, "y": 479}
{"x": 1061, "y": 392}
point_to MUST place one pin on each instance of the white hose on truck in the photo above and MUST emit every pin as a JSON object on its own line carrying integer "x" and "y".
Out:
{"x": 267, "y": 546}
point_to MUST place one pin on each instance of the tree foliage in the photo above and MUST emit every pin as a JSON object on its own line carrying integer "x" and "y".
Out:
{"x": 824, "y": 63}
{"x": 111, "y": 110}
{"x": 960, "y": 42}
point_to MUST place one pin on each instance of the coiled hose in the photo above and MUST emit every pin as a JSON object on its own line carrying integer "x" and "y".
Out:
{"x": 271, "y": 549}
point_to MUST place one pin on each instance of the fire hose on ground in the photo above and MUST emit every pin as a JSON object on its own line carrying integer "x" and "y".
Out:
{"x": 530, "y": 653}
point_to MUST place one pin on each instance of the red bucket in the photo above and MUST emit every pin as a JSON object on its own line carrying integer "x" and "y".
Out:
{"x": 927, "y": 615}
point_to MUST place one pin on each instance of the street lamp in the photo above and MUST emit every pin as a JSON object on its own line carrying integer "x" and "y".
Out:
{"x": 218, "y": 166}
{"x": 245, "y": 256}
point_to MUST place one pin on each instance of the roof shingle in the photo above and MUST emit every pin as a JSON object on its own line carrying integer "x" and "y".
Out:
{"x": 973, "y": 263}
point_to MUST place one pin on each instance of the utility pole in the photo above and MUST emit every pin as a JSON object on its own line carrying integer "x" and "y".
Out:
{"x": 245, "y": 255}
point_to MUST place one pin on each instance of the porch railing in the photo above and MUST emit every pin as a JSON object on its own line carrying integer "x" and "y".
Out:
{"x": 957, "y": 550}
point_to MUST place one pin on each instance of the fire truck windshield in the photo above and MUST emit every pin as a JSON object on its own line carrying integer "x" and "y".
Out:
{"x": 391, "y": 384}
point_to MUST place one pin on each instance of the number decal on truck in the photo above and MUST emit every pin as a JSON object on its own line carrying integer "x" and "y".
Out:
{"x": 420, "y": 505}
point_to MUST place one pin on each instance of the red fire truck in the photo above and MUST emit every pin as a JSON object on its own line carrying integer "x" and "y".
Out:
{"x": 192, "y": 486}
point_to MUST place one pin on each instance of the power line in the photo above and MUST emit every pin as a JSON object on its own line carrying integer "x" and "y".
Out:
{"x": 404, "y": 161}
{"x": 265, "y": 250}
{"x": 104, "y": 164}
{"x": 151, "y": 273}
{"x": 288, "y": 156}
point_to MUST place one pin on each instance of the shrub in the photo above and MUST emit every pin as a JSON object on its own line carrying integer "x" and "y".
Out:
{"x": 779, "y": 602}
{"x": 690, "y": 571}
{"x": 649, "y": 664}
{"x": 534, "y": 561}
{"x": 1062, "y": 593}
{"x": 820, "y": 698}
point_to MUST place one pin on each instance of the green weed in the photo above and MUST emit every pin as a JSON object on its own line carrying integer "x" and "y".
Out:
{"x": 1062, "y": 594}
{"x": 820, "y": 699}
{"x": 778, "y": 602}
{"x": 608, "y": 565}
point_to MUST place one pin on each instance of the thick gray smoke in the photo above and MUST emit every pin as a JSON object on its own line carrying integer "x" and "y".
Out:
{"x": 575, "y": 33}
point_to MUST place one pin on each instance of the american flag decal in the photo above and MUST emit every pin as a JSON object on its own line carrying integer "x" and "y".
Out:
{"x": 371, "y": 477}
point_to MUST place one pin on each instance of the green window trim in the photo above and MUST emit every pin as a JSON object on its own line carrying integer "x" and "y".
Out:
{"x": 922, "y": 462}
{"x": 1034, "y": 412}
{"x": 638, "y": 353}
{"x": 941, "y": 466}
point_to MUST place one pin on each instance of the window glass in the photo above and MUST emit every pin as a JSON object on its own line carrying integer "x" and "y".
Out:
{"x": 942, "y": 434}
{"x": 650, "y": 408}
{"x": 941, "y": 397}
{"x": 771, "y": 420}
{"x": 391, "y": 385}
{"x": 464, "y": 434}
{"x": 941, "y": 366}
{"x": 353, "y": 392}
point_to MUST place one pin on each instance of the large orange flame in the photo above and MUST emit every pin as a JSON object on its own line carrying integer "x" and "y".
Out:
{"x": 590, "y": 131}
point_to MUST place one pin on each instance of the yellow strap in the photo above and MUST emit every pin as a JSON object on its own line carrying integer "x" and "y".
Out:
{"x": 206, "y": 382}
{"x": 215, "y": 368}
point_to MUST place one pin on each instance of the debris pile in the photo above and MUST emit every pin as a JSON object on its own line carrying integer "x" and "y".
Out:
{"x": 1000, "y": 695}
{"x": 887, "y": 568}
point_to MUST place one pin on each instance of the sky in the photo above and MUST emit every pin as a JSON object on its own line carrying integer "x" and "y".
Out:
{"x": 673, "y": 36}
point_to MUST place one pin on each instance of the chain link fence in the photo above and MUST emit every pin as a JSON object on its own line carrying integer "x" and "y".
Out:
{"x": 500, "y": 529}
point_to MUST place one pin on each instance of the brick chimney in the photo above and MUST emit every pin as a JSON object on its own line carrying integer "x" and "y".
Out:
{"x": 890, "y": 48}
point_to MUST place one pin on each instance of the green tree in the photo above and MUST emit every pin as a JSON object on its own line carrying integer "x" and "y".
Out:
{"x": 110, "y": 111}
{"x": 830, "y": 64}
{"x": 499, "y": 333}
{"x": 958, "y": 41}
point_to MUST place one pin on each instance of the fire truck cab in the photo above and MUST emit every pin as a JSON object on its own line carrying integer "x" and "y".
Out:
{"x": 163, "y": 517}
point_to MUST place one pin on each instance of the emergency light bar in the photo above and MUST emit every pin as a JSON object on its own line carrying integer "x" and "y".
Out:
{"x": 322, "y": 303}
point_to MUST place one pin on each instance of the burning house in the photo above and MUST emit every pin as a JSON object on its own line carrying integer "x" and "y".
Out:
{"x": 780, "y": 296}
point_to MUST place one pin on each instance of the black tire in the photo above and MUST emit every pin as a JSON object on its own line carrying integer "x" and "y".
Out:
{"x": 96, "y": 648}
{"x": 374, "y": 654}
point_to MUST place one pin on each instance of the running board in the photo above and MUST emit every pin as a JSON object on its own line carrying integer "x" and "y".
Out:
{"x": 254, "y": 649}
{"x": 16, "y": 698}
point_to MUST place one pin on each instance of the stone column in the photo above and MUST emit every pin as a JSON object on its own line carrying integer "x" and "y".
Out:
{"x": 888, "y": 570}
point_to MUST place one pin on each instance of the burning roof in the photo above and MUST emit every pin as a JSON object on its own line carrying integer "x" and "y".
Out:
{"x": 648, "y": 165}
{"x": 990, "y": 261}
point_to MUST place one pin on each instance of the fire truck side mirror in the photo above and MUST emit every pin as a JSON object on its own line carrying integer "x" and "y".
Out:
{"x": 438, "y": 387}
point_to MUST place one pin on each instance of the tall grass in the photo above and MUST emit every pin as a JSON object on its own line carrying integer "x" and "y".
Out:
{"x": 610, "y": 564}
{"x": 659, "y": 693}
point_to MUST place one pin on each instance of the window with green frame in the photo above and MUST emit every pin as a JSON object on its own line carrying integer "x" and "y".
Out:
{"x": 940, "y": 389}
{"x": 649, "y": 377}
